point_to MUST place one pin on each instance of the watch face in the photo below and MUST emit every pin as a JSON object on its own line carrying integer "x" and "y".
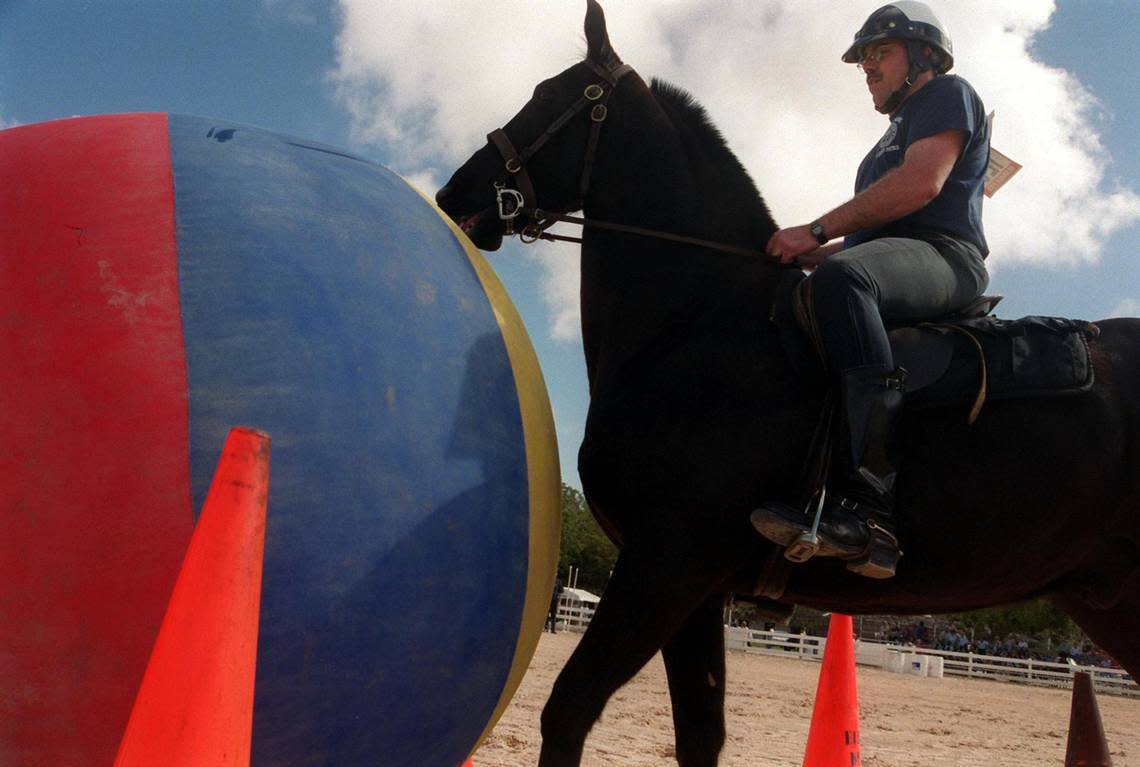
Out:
{"x": 817, "y": 232}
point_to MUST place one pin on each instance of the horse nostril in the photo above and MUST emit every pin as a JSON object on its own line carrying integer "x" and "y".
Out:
{"x": 442, "y": 195}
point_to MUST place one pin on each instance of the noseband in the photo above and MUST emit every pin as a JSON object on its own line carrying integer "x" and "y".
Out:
{"x": 522, "y": 197}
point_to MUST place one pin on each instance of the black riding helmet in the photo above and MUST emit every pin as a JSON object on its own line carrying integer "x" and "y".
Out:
{"x": 917, "y": 26}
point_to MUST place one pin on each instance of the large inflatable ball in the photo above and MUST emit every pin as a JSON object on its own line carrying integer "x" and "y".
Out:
{"x": 165, "y": 278}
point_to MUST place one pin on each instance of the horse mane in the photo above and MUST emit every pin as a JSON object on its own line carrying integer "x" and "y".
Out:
{"x": 688, "y": 114}
{"x": 684, "y": 108}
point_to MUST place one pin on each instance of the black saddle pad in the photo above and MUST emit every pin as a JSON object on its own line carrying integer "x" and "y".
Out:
{"x": 946, "y": 359}
{"x": 1029, "y": 357}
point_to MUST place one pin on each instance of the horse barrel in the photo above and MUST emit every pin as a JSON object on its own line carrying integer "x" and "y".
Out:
{"x": 167, "y": 277}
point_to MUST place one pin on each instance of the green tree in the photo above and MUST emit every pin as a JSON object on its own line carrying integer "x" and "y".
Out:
{"x": 584, "y": 545}
{"x": 1038, "y": 619}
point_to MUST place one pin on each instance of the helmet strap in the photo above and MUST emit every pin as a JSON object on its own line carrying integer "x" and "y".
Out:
{"x": 896, "y": 99}
{"x": 918, "y": 63}
{"x": 920, "y": 60}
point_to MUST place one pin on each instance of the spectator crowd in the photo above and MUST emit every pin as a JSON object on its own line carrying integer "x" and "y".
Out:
{"x": 954, "y": 639}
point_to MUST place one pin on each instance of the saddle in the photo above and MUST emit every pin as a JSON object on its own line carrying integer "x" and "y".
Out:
{"x": 962, "y": 359}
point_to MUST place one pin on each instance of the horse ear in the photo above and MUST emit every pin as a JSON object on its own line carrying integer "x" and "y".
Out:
{"x": 599, "y": 50}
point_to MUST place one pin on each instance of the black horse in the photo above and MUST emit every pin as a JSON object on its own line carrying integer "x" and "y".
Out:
{"x": 695, "y": 417}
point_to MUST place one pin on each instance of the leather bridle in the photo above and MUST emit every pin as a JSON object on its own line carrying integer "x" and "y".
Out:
{"x": 522, "y": 198}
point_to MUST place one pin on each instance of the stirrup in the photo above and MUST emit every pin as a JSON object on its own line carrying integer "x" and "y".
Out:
{"x": 807, "y": 545}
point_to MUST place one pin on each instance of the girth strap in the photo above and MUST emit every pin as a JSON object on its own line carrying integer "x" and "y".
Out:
{"x": 980, "y": 399}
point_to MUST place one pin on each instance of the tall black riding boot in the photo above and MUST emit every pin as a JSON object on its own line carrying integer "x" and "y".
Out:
{"x": 857, "y": 523}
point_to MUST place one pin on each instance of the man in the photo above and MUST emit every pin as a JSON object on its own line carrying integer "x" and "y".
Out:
{"x": 552, "y": 613}
{"x": 913, "y": 249}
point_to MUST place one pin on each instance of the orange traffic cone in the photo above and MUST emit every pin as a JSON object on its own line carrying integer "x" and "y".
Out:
{"x": 1087, "y": 745}
{"x": 195, "y": 704}
{"x": 833, "y": 740}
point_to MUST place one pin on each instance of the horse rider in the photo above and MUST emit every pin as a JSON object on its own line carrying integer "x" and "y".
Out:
{"x": 913, "y": 249}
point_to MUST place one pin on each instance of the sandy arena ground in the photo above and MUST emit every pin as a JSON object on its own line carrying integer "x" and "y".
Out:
{"x": 905, "y": 721}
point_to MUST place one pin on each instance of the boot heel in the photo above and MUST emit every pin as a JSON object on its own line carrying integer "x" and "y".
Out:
{"x": 881, "y": 558}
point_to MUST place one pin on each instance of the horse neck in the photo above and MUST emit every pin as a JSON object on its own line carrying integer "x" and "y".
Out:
{"x": 662, "y": 173}
{"x": 637, "y": 291}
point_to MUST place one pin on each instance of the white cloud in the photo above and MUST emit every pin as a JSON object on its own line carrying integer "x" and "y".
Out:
{"x": 431, "y": 79}
{"x": 426, "y": 182}
{"x": 1129, "y": 307}
{"x": 560, "y": 288}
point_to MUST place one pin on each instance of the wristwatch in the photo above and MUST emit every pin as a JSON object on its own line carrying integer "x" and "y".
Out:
{"x": 817, "y": 232}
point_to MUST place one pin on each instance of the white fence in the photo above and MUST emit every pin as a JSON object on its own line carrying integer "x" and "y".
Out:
{"x": 574, "y": 616}
{"x": 1028, "y": 671}
{"x": 774, "y": 643}
{"x": 926, "y": 662}
{"x": 921, "y": 661}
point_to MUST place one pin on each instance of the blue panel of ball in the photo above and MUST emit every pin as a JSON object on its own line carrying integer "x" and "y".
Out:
{"x": 325, "y": 302}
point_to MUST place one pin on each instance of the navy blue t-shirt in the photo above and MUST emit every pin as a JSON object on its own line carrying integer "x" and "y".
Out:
{"x": 945, "y": 103}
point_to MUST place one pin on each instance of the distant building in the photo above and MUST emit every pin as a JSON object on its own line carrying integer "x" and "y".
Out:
{"x": 575, "y": 608}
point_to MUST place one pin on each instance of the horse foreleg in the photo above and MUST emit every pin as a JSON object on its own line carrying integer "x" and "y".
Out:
{"x": 1115, "y": 629}
{"x": 639, "y": 611}
{"x": 694, "y": 662}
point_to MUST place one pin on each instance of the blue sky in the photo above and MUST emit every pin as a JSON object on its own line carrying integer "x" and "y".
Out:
{"x": 416, "y": 89}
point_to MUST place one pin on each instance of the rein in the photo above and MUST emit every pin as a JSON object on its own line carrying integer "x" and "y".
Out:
{"x": 513, "y": 202}
{"x": 544, "y": 220}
